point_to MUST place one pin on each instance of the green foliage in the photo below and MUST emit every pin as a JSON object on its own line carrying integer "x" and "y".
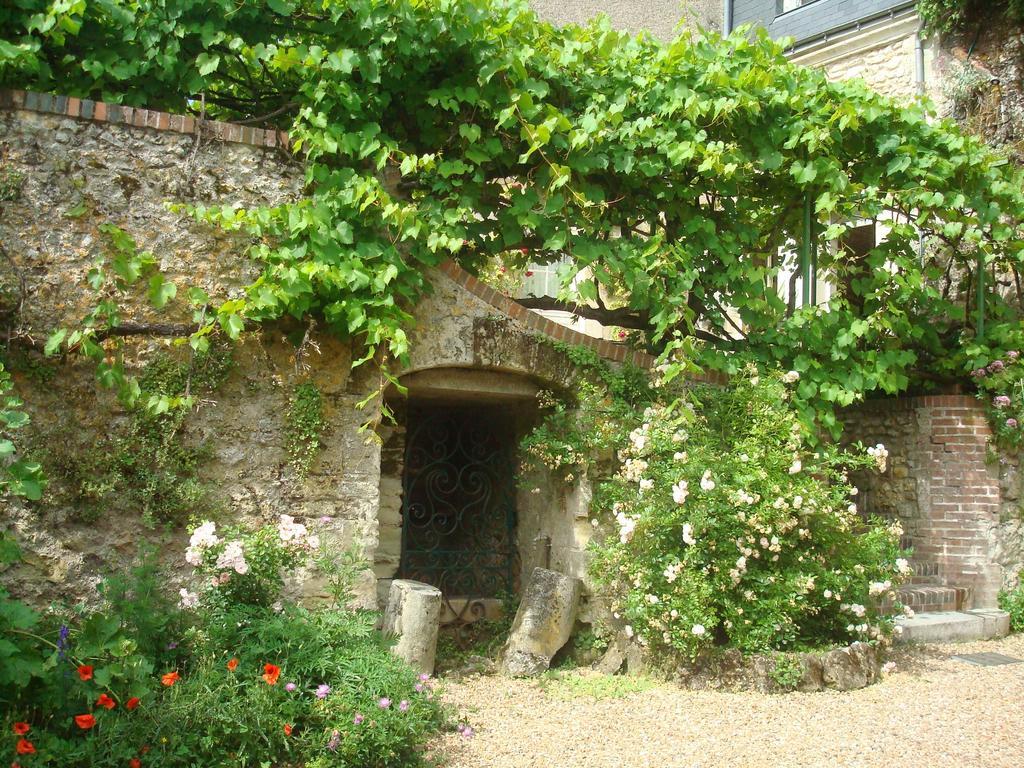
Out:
{"x": 192, "y": 707}
{"x": 1012, "y": 601}
{"x": 786, "y": 671}
{"x": 306, "y": 426}
{"x": 10, "y": 184}
{"x": 18, "y": 476}
{"x": 953, "y": 15}
{"x": 569, "y": 686}
{"x": 670, "y": 174}
{"x": 998, "y": 372}
{"x": 721, "y": 529}
{"x": 146, "y": 464}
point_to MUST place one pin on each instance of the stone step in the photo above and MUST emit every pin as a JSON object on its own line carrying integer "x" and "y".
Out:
{"x": 954, "y": 626}
{"x": 933, "y": 598}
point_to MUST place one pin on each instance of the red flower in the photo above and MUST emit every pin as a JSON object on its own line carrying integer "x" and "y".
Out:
{"x": 21, "y": 728}
{"x": 170, "y": 678}
{"x": 24, "y": 747}
{"x": 529, "y": 273}
{"x": 85, "y": 672}
{"x": 232, "y": 665}
{"x": 287, "y": 729}
{"x": 132, "y": 703}
{"x": 85, "y": 722}
{"x": 270, "y": 673}
{"x": 105, "y": 702}
{"x": 135, "y": 763}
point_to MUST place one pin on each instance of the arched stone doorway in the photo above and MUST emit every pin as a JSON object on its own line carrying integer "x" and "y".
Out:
{"x": 450, "y": 504}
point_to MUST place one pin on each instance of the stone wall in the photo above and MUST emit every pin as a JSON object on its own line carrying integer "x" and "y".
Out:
{"x": 958, "y": 503}
{"x": 662, "y": 18}
{"x": 83, "y": 165}
{"x": 80, "y": 174}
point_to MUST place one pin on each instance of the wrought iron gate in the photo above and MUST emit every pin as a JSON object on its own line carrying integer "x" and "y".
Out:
{"x": 458, "y": 501}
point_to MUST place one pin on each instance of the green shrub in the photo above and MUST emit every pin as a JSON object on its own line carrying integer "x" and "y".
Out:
{"x": 722, "y": 529}
{"x": 242, "y": 685}
{"x": 1012, "y": 601}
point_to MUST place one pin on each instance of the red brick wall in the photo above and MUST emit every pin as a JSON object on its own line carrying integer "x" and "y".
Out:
{"x": 939, "y": 484}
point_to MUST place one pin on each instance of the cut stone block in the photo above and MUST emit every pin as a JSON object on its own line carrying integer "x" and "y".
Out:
{"x": 413, "y": 615}
{"x": 543, "y": 622}
{"x": 954, "y": 627}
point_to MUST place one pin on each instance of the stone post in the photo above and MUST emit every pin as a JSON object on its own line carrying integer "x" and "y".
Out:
{"x": 413, "y": 614}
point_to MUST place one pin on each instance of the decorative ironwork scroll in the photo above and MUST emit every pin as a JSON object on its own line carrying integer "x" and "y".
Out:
{"x": 458, "y": 503}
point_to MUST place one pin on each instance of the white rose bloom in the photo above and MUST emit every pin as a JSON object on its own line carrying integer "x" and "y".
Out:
{"x": 790, "y": 377}
{"x": 706, "y": 482}
{"x": 795, "y": 467}
{"x": 680, "y": 491}
{"x": 688, "y": 535}
{"x": 698, "y": 630}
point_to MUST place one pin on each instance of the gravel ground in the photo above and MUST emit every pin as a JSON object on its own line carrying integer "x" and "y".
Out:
{"x": 933, "y": 712}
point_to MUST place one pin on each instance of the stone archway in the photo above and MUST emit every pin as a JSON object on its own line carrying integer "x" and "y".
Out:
{"x": 450, "y": 502}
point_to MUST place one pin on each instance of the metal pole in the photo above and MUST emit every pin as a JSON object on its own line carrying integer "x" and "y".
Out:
{"x": 805, "y": 253}
{"x": 981, "y": 296}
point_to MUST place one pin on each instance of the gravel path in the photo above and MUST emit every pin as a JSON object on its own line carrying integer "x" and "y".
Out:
{"x": 933, "y": 712}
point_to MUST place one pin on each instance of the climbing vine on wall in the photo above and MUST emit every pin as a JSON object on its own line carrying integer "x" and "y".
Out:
{"x": 305, "y": 427}
{"x": 671, "y": 176}
{"x": 147, "y": 464}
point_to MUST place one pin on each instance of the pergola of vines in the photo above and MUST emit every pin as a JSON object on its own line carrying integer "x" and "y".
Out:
{"x": 672, "y": 177}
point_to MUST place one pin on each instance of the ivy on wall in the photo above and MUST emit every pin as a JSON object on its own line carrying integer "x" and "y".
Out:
{"x": 306, "y": 425}
{"x": 670, "y": 176}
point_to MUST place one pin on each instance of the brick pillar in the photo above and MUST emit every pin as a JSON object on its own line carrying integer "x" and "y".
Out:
{"x": 938, "y": 485}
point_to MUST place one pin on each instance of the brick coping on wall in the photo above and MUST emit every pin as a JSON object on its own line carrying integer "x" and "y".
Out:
{"x": 904, "y": 403}
{"x": 117, "y": 114}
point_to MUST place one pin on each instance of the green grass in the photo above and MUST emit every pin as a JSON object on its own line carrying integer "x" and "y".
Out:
{"x": 592, "y": 685}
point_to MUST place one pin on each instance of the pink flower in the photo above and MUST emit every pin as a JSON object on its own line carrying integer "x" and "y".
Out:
{"x": 424, "y": 677}
{"x": 322, "y": 690}
{"x": 403, "y": 706}
{"x": 420, "y": 687}
{"x": 1001, "y": 401}
{"x": 290, "y": 687}
{"x": 465, "y": 731}
{"x": 978, "y": 373}
{"x": 1013, "y": 354}
{"x": 358, "y": 718}
{"x": 1011, "y": 423}
{"x": 996, "y": 366}
{"x": 384, "y": 702}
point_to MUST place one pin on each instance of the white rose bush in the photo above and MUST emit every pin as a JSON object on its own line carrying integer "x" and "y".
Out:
{"x": 723, "y": 528}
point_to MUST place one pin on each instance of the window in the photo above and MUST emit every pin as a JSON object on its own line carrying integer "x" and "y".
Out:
{"x": 785, "y": 6}
{"x": 541, "y": 280}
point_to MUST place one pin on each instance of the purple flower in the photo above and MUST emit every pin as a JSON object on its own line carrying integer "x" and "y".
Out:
{"x": 978, "y": 373}
{"x": 322, "y": 690}
{"x": 384, "y": 702}
{"x": 290, "y": 687}
{"x": 420, "y": 687}
{"x": 336, "y": 737}
{"x": 1011, "y": 423}
{"x": 403, "y": 706}
{"x": 358, "y": 719}
{"x": 172, "y": 645}
{"x": 1001, "y": 401}
{"x": 62, "y": 640}
{"x": 1013, "y": 354}
{"x": 424, "y": 677}
{"x": 465, "y": 731}
{"x": 996, "y": 366}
